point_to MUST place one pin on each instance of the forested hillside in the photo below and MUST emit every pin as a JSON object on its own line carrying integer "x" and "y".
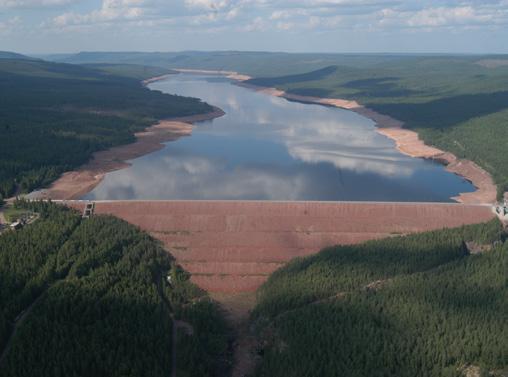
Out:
{"x": 91, "y": 298}
{"x": 411, "y": 306}
{"x": 54, "y": 116}
{"x": 134, "y": 71}
{"x": 455, "y": 103}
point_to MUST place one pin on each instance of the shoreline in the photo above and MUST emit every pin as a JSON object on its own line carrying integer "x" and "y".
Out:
{"x": 407, "y": 142}
{"x": 74, "y": 184}
{"x": 156, "y": 78}
{"x": 228, "y": 74}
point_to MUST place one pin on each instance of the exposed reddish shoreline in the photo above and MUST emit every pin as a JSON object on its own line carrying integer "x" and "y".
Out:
{"x": 229, "y": 74}
{"x": 409, "y": 143}
{"x": 156, "y": 78}
{"x": 75, "y": 184}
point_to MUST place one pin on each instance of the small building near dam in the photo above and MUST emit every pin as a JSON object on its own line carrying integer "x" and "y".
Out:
{"x": 502, "y": 210}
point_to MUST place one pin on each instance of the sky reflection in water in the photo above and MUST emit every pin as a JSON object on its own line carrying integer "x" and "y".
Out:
{"x": 267, "y": 148}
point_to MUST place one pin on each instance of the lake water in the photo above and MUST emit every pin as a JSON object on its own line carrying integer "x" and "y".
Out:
{"x": 268, "y": 148}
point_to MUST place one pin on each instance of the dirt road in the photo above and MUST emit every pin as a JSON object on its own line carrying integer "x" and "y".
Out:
{"x": 237, "y": 308}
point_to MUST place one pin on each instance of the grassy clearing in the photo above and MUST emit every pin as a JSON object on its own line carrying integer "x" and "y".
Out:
{"x": 12, "y": 214}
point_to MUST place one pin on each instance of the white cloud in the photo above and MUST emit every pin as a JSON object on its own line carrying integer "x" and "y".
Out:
{"x": 34, "y": 3}
{"x": 447, "y": 16}
{"x": 258, "y": 24}
{"x": 7, "y": 27}
{"x": 232, "y": 14}
{"x": 430, "y": 18}
{"x": 111, "y": 10}
{"x": 279, "y": 16}
{"x": 285, "y": 25}
{"x": 285, "y": 14}
{"x": 207, "y": 4}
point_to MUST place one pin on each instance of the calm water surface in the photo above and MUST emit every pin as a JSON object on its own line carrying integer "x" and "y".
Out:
{"x": 267, "y": 148}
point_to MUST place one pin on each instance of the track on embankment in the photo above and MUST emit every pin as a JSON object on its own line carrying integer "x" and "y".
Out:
{"x": 233, "y": 246}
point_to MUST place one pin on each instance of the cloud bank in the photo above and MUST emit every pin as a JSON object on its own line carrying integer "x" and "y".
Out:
{"x": 282, "y": 19}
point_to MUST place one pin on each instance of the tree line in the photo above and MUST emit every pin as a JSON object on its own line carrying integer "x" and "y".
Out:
{"x": 434, "y": 320}
{"x": 105, "y": 305}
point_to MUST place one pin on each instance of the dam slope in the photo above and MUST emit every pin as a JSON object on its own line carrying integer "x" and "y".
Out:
{"x": 233, "y": 246}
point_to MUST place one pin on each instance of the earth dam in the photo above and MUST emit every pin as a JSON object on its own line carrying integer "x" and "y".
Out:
{"x": 272, "y": 180}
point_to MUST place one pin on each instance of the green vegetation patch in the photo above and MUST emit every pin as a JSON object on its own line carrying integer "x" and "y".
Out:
{"x": 204, "y": 347}
{"x": 343, "y": 268}
{"x": 12, "y": 214}
{"x": 134, "y": 71}
{"x": 91, "y": 298}
{"x": 429, "y": 321}
{"x": 483, "y": 139}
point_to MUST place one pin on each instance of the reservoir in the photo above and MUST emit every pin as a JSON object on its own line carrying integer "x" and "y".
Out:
{"x": 268, "y": 148}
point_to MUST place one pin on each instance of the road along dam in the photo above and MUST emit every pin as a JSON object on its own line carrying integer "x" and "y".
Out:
{"x": 232, "y": 247}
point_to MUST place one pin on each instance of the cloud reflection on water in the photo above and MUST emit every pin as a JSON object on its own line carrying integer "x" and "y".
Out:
{"x": 272, "y": 149}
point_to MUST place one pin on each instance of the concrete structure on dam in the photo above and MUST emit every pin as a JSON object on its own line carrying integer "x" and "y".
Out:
{"x": 231, "y": 246}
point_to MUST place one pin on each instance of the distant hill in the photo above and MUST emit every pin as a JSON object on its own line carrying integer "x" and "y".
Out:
{"x": 14, "y": 55}
{"x": 41, "y": 68}
{"x": 309, "y": 76}
{"x": 258, "y": 64}
{"x": 135, "y": 71}
{"x": 138, "y": 58}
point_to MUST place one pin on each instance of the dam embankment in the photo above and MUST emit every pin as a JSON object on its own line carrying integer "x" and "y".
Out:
{"x": 233, "y": 246}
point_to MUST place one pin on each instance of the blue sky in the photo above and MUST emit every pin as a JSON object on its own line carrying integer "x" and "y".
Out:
{"x": 47, "y": 26}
